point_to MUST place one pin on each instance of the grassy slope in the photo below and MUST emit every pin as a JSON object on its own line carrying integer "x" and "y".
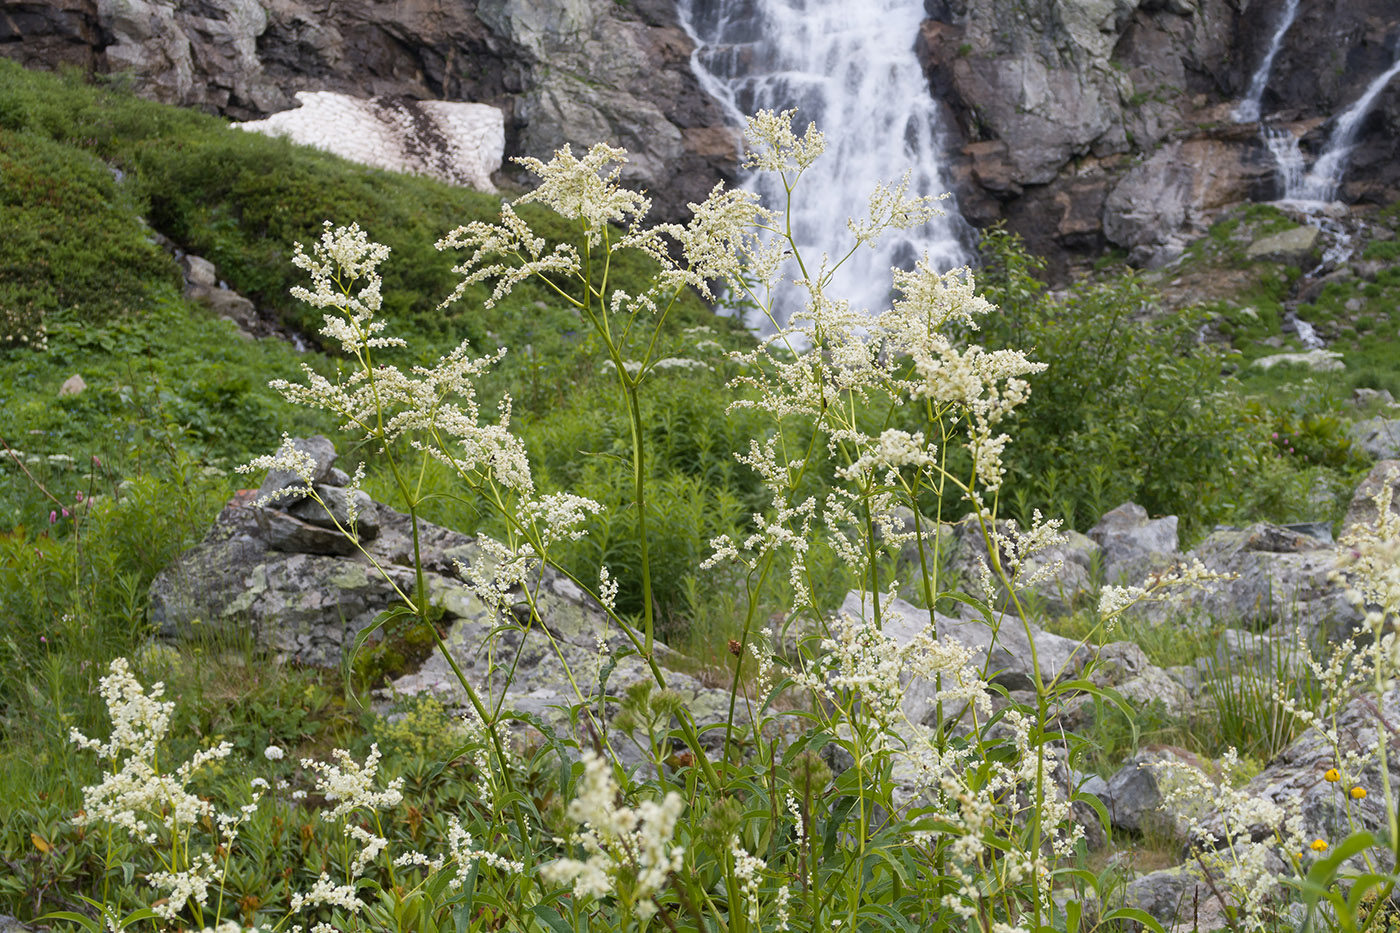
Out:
{"x": 175, "y": 398}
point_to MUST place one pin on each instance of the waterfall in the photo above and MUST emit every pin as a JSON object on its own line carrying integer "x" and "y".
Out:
{"x": 1248, "y": 109}
{"x": 851, "y": 68}
{"x": 1288, "y": 156}
{"x": 1322, "y": 180}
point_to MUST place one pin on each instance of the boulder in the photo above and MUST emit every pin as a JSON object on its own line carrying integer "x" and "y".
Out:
{"x": 1178, "y": 898}
{"x": 1134, "y": 795}
{"x": 302, "y": 592}
{"x": 1133, "y": 544}
{"x": 1378, "y": 437}
{"x": 73, "y": 385}
{"x": 1362, "y": 513}
{"x": 1281, "y": 576}
{"x": 1296, "y": 246}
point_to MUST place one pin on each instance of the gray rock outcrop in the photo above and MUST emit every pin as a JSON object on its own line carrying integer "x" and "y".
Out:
{"x": 1282, "y": 577}
{"x": 1378, "y": 437}
{"x": 575, "y": 71}
{"x": 285, "y": 576}
{"x": 1133, "y": 544}
{"x": 1087, "y": 123}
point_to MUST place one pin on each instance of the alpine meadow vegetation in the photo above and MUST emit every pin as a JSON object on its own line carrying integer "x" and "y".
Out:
{"x": 709, "y": 492}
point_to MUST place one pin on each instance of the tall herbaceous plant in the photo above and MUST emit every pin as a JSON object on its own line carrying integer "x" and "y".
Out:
{"x": 824, "y": 799}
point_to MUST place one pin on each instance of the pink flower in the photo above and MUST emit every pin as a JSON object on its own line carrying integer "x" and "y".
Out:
{"x": 1275, "y": 435}
{"x": 53, "y": 517}
{"x": 65, "y": 513}
{"x": 80, "y": 497}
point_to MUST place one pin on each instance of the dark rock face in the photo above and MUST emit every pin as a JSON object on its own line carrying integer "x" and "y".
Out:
{"x": 1092, "y": 123}
{"x": 564, "y": 71}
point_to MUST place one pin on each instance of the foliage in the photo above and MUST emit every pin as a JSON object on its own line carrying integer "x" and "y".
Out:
{"x": 1135, "y": 408}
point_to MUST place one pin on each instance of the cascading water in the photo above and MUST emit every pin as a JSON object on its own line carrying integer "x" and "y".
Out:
{"x": 1321, "y": 182}
{"x": 851, "y": 68}
{"x": 1248, "y": 109}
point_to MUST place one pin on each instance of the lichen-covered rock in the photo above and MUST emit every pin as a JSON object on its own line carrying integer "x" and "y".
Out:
{"x": 1296, "y": 779}
{"x": 1282, "y": 577}
{"x": 1378, "y": 437}
{"x": 1362, "y": 513}
{"x": 303, "y": 591}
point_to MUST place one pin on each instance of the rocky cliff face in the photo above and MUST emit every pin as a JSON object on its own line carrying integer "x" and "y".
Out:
{"x": 1095, "y": 123}
{"x": 575, "y": 71}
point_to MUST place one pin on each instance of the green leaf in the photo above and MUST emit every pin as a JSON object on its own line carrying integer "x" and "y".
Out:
{"x": 552, "y": 919}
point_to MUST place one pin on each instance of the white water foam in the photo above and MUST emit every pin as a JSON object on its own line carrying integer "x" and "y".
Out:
{"x": 1322, "y": 181}
{"x": 851, "y": 69}
{"x": 1248, "y": 109}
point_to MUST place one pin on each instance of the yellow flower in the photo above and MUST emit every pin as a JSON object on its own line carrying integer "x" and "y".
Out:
{"x": 1332, "y": 775}
{"x": 1318, "y": 845}
{"x": 1357, "y": 793}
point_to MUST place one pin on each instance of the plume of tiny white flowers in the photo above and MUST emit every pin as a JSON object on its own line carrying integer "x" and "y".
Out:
{"x": 1236, "y": 836}
{"x": 350, "y": 785}
{"x": 141, "y": 799}
{"x": 621, "y": 843}
{"x": 774, "y": 147}
{"x": 607, "y": 589}
{"x": 289, "y": 459}
{"x": 340, "y": 259}
{"x": 1158, "y": 587}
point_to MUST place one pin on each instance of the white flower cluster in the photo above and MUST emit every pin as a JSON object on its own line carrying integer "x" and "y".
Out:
{"x": 1236, "y": 837}
{"x": 748, "y": 871}
{"x": 137, "y": 796}
{"x": 861, "y": 660}
{"x": 350, "y": 785}
{"x": 1371, "y": 561}
{"x": 341, "y": 258}
{"x": 997, "y": 795}
{"x": 619, "y": 841}
{"x": 1159, "y": 587}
